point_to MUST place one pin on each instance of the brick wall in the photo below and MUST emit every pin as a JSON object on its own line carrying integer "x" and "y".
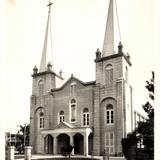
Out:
{"x": 94, "y": 97}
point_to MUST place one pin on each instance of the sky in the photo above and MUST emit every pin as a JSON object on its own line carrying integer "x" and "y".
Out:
{"x": 77, "y": 31}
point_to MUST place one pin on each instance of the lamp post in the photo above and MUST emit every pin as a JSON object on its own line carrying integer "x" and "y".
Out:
{"x": 25, "y": 134}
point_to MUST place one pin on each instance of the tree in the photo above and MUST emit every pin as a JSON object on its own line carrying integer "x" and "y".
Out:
{"x": 67, "y": 150}
{"x": 144, "y": 133}
{"x": 145, "y": 130}
{"x": 22, "y": 137}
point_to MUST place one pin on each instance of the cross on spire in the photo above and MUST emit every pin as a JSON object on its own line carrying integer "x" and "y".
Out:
{"x": 49, "y": 5}
{"x": 43, "y": 64}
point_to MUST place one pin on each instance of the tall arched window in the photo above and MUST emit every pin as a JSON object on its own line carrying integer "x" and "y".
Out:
{"x": 61, "y": 116}
{"x": 41, "y": 87}
{"x": 109, "y": 74}
{"x": 41, "y": 120}
{"x": 109, "y": 114}
{"x": 109, "y": 142}
{"x": 85, "y": 117}
{"x": 73, "y": 110}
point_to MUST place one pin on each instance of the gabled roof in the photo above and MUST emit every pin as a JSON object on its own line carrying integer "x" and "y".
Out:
{"x": 71, "y": 79}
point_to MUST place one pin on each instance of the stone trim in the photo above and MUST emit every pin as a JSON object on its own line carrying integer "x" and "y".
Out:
{"x": 114, "y": 56}
{"x": 67, "y": 130}
{"x": 47, "y": 72}
{"x": 76, "y": 79}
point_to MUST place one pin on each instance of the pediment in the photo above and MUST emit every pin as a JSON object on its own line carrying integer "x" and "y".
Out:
{"x": 64, "y": 125}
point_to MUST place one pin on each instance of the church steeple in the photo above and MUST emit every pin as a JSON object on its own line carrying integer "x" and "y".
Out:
{"x": 43, "y": 64}
{"x": 108, "y": 44}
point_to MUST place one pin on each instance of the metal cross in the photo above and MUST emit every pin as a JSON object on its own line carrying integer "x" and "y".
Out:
{"x": 49, "y": 5}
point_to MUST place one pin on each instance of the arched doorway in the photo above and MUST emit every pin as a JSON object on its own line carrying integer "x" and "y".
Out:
{"x": 78, "y": 144}
{"x": 48, "y": 144}
{"x": 63, "y": 142}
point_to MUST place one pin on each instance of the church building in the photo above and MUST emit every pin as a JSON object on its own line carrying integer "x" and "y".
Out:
{"x": 92, "y": 116}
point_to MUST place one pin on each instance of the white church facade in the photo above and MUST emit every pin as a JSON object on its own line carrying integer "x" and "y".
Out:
{"x": 92, "y": 116}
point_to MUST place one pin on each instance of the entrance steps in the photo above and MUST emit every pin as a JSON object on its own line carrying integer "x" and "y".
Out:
{"x": 59, "y": 157}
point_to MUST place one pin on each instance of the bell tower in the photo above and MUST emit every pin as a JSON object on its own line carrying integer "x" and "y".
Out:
{"x": 44, "y": 79}
{"x": 113, "y": 93}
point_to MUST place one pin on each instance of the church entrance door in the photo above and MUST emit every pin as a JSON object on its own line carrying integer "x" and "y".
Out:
{"x": 63, "y": 143}
{"x": 78, "y": 144}
{"x": 48, "y": 144}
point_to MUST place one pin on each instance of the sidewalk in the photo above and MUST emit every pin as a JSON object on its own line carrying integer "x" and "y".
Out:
{"x": 51, "y": 157}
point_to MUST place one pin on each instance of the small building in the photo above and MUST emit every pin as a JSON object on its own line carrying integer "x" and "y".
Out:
{"x": 10, "y": 139}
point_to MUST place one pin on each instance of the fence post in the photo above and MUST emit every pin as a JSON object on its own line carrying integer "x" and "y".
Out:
{"x": 27, "y": 153}
{"x": 11, "y": 152}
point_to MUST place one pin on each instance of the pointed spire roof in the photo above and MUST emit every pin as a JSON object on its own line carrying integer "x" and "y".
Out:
{"x": 108, "y": 44}
{"x": 43, "y": 64}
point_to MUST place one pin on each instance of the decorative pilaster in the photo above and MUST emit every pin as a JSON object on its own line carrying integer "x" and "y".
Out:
{"x": 42, "y": 144}
{"x": 96, "y": 134}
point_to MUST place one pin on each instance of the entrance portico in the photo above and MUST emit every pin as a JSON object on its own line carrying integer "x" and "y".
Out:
{"x": 64, "y": 135}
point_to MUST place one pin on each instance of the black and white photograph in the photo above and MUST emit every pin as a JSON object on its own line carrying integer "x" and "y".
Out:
{"x": 78, "y": 79}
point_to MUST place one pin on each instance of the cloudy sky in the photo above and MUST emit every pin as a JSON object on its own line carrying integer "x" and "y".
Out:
{"x": 77, "y": 30}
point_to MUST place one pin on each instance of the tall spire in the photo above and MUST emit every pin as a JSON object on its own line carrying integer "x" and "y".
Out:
{"x": 43, "y": 64}
{"x": 108, "y": 44}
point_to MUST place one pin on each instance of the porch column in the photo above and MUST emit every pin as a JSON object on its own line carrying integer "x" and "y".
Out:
{"x": 42, "y": 145}
{"x": 72, "y": 143}
{"x": 86, "y": 144}
{"x": 55, "y": 145}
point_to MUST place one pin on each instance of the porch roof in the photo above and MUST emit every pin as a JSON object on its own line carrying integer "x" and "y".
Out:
{"x": 65, "y": 127}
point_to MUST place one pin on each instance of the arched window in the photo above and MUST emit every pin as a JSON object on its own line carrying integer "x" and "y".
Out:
{"x": 41, "y": 87}
{"x": 109, "y": 74}
{"x": 61, "y": 116}
{"x": 41, "y": 120}
{"x": 109, "y": 114}
{"x": 85, "y": 117}
{"x": 73, "y": 110}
